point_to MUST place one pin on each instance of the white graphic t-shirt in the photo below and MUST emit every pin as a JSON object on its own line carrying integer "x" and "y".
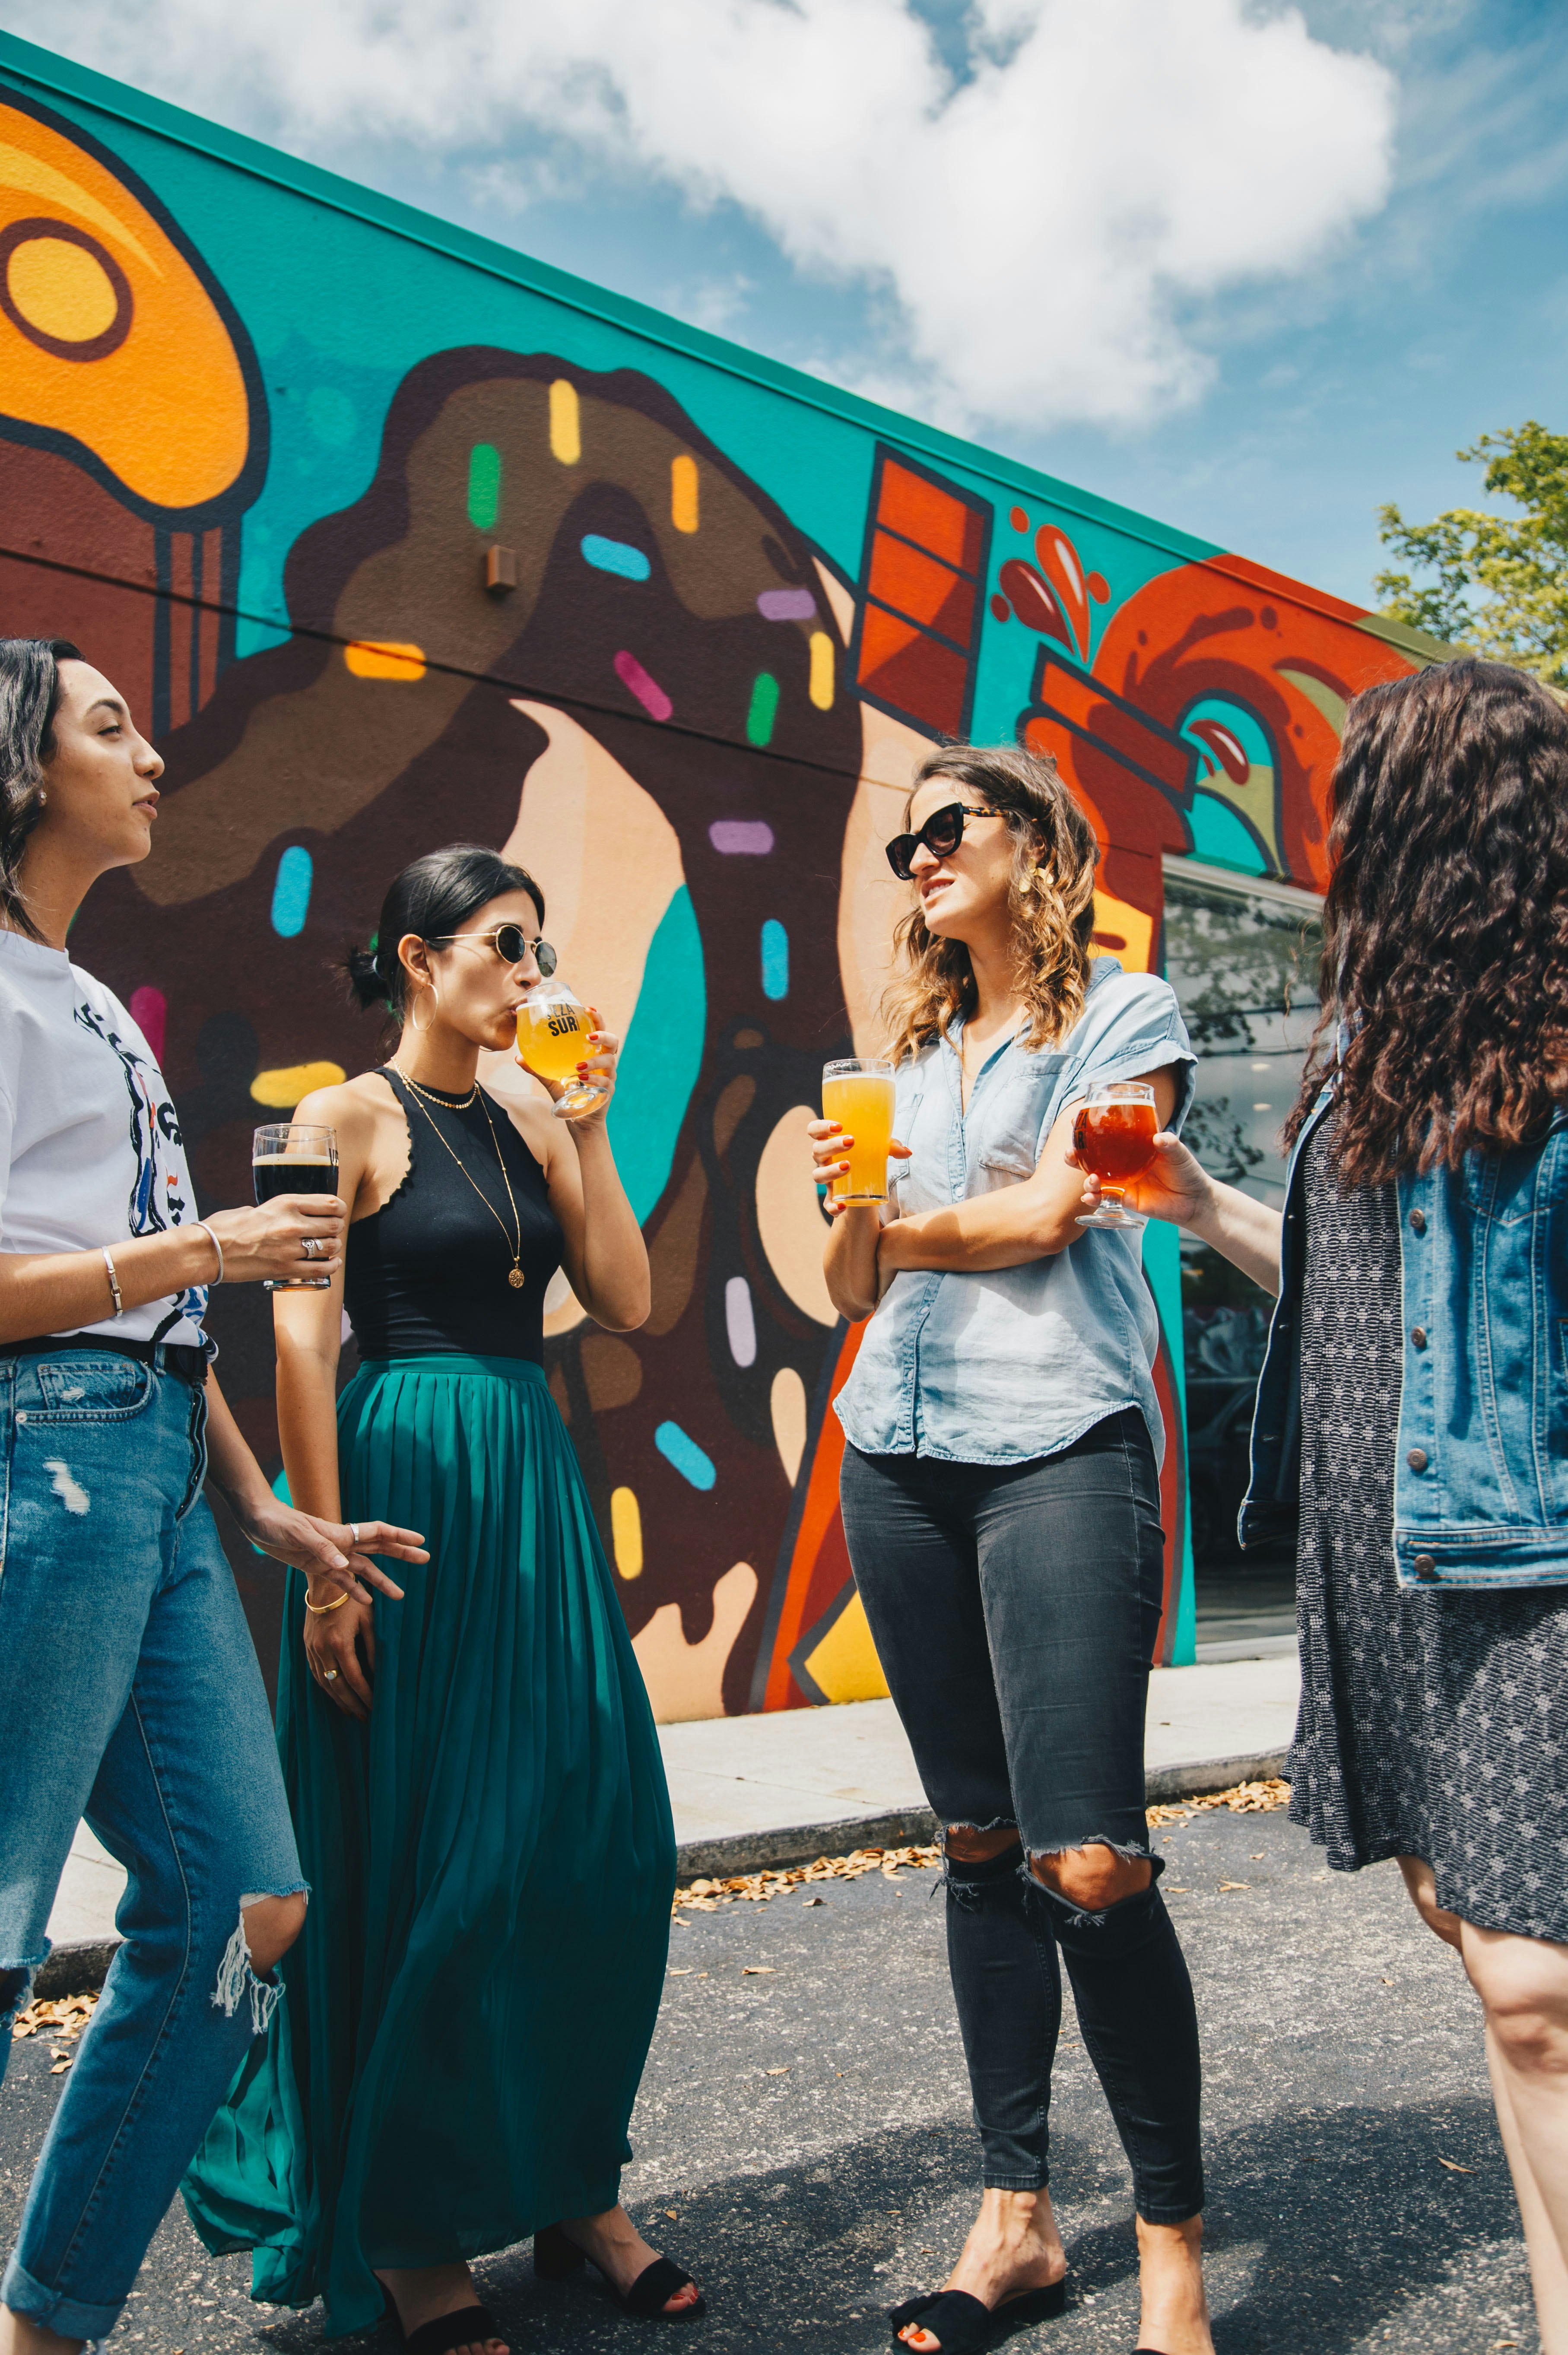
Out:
{"x": 90, "y": 1150}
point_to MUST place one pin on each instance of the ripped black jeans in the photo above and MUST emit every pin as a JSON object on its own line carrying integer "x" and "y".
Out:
{"x": 1015, "y": 1609}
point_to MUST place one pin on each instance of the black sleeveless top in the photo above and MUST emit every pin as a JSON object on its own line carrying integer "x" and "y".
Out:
{"x": 427, "y": 1274}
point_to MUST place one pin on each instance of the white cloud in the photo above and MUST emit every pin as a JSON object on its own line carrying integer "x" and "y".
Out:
{"x": 1032, "y": 239}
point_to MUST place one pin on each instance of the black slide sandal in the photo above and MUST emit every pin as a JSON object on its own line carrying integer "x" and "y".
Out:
{"x": 556, "y": 2255}
{"x": 470, "y": 2326}
{"x": 962, "y": 2326}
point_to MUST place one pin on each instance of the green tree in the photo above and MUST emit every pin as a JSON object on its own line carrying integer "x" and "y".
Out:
{"x": 1501, "y": 582}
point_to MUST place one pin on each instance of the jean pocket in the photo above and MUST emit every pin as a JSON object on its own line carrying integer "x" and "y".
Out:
{"x": 91, "y": 1390}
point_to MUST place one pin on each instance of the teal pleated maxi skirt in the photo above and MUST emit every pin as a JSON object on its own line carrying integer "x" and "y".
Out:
{"x": 491, "y": 1861}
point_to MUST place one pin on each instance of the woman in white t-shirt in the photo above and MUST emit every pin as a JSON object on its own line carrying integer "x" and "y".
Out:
{"x": 129, "y": 1687}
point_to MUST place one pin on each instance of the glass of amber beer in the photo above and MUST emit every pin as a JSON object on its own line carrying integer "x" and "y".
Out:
{"x": 553, "y": 1027}
{"x": 858, "y": 1095}
{"x": 290, "y": 1156}
{"x": 1113, "y": 1135}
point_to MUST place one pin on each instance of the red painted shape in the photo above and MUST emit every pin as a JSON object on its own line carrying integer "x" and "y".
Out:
{"x": 1018, "y": 518}
{"x": 1000, "y": 609}
{"x": 1062, "y": 568}
{"x": 150, "y": 1013}
{"x": 1225, "y": 747}
{"x": 1034, "y": 600}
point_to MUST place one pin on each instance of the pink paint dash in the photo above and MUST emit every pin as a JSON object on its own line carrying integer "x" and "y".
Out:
{"x": 741, "y": 838}
{"x": 648, "y": 691}
{"x": 786, "y": 604}
{"x": 150, "y": 1013}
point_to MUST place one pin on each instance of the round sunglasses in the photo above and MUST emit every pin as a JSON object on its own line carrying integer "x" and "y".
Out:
{"x": 510, "y": 942}
{"x": 942, "y": 833}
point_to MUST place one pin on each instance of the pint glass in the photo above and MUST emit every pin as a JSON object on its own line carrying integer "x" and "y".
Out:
{"x": 859, "y": 1096}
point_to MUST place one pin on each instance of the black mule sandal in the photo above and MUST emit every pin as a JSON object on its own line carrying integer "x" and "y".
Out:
{"x": 556, "y": 2255}
{"x": 961, "y": 2326}
{"x": 471, "y": 2325}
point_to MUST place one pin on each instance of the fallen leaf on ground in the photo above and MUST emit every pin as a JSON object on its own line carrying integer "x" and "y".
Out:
{"x": 66, "y": 2015}
{"x": 1453, "y": 2165}
{"x": 1241, "y": 1798}
{"x": 777, "y": 2072}
{"x": 1235, "y": 1884}
{"x": 674, "y": 2215}
{"x": 756, "y": 1970}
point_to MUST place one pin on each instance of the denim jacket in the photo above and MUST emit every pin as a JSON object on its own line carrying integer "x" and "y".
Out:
{"x": 1004, "y": 1366}
{"x": 1480, "y": 1496}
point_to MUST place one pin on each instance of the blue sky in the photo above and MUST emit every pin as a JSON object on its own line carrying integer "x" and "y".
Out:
{"x": 1248, "y": 269}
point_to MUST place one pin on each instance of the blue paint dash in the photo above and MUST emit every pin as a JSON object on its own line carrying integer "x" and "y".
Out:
{"x": 615, "y": 556}
{"x": 291, "y": 892}
{"x": 775, "y": 959}
{"x": 686, "y": 1456}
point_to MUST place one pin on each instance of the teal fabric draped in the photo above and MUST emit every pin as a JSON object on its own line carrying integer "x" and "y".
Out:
{"x": 491, "y": 1861}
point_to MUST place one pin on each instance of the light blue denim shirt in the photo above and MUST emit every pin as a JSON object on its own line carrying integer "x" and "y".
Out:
{"x": 1001, "y": 1367}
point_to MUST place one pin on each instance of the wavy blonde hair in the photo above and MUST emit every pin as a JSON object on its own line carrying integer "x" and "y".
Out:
{"x": 1050, "y": 900}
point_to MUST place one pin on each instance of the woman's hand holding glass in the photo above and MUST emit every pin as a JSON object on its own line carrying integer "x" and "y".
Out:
{"x": 1173, "y": 1184}
{"x": 269, "y": 1239}
{"x": 830, "y": 1142}
{"x": 595, "y": 1071}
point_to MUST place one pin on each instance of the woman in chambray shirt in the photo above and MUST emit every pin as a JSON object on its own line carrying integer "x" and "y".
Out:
{"x": 1001, "y": 1501}
{"x": 1413, "y": 1404}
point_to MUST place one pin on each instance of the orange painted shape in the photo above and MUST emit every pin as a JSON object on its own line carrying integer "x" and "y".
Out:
{"x": 376, "y": 658}
{"x": 931, "y": 516}
{"x": 922, "y": 588}
{"x": 818, "y": 1514}
{"x": 107, "y": 333}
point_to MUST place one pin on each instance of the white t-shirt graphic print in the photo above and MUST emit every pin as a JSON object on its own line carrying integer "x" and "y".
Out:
{"x": 90, "y": 1151}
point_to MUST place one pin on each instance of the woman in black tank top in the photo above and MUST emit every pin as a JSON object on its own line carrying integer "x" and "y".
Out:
{"x": 478, "y": 1794}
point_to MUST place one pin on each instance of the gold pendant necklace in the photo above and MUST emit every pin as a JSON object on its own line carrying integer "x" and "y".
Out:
{"x": 515, "y": 1275}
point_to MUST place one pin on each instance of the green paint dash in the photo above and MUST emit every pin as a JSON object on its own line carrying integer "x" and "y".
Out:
{"x": 483, "y": 485}
{"x": 764, "y": 709}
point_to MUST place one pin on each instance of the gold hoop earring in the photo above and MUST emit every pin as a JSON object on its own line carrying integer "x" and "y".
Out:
{"x": 422, "y": 1030}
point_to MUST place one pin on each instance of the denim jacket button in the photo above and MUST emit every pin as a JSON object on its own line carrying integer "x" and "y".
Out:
{"x": 1418, "y": 1220}
{"x": 1416, "y": 1459}
{"x": 1424, "y": 1566}
{"x": 1418, "y": 1336}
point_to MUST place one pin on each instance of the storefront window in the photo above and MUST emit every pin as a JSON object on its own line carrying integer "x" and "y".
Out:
{"x": 1241, "y": 957}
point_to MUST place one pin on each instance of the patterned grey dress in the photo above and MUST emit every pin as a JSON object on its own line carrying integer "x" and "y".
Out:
{"x": 1431, "y": 1725}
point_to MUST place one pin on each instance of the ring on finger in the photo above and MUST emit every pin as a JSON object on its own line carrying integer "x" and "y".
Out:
{"x": 311, "y": 1247}
{"x": 327, "y": 1675}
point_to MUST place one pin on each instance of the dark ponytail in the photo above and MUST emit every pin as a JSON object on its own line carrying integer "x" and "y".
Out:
{"x": 436, "y": 896}
{"x": 29, "y": 698}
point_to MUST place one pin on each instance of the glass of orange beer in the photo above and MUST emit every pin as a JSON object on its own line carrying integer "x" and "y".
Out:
{"x": 553, "y": 1027}
{"x": 1113, "y": 1135}
{"x": 858, "y": 1095}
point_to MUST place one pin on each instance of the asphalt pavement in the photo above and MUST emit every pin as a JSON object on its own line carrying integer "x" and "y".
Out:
{"x": 803, "y": 2140}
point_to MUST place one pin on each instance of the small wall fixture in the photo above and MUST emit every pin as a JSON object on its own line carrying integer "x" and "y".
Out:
{"x": 500, "y": 570}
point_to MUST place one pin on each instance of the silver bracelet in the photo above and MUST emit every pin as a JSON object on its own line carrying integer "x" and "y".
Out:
{"x": 114, "y": 1284}
{"x": 217, "y": 1246}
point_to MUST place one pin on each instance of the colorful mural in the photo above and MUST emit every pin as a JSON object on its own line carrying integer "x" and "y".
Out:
{"x": 397, "y": 538}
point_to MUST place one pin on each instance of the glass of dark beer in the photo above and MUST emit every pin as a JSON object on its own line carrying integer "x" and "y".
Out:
{"x": 1113, "y": 1135}
{"x": 289, "y": 1156}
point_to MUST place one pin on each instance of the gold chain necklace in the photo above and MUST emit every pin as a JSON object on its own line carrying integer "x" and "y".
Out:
{"x": 515, "y": 1276}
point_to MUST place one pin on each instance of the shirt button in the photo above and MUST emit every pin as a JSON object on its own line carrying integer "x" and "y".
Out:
{"x": 1418, "y": 1336}
{"x": 1416, "y": 1459}
{"x": 1418, "y": 1220}
{"x": 1424, "y": 1566}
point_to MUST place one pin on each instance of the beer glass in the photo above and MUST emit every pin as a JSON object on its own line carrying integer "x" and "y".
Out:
{"x": 290, "y": 1156}
{"x": 552, "y": 1038}
{"x": 858, "y": 1095}
{"x": 1113, "y": 1135}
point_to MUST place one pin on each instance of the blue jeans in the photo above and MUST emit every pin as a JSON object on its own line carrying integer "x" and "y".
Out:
{"x": 125, "y": 1657}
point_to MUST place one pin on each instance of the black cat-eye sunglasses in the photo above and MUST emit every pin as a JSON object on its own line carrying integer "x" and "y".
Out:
{"x": 942, "y": 833}
{"x": 510, "y": 942}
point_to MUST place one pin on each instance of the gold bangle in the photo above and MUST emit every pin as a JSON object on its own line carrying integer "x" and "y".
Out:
{"x": 321, "y": 1609}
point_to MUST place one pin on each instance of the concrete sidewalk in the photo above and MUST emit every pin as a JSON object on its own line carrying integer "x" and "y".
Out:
{"x": 755, "y": 1791}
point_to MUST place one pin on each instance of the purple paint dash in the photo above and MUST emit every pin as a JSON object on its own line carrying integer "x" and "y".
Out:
{"x": 741, "y": 838}
{"x": 648, "y": 691}
{"x": 786, "y": 606}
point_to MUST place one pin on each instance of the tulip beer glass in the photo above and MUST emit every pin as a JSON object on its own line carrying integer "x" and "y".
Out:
{"x": 1113, "y": 1135}
{"x": 289, "y": 1156}
{"x": 552, "y": 1039}
{"x": 859, "y": 1096}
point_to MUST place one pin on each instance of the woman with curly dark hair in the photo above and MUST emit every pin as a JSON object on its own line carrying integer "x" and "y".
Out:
{"x": 1414, "y": 1397}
